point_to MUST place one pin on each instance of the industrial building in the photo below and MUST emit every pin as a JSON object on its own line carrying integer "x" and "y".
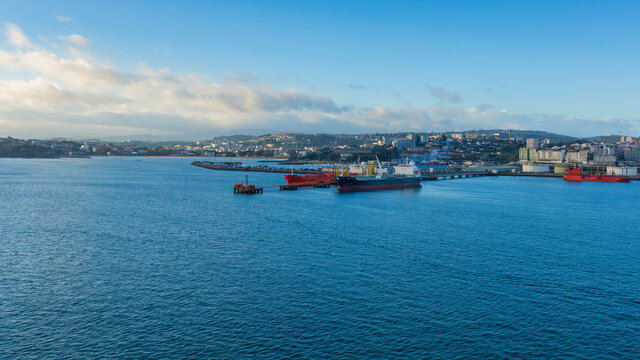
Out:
{"x": 622, "y": 170}
{"x": 535, "y": 168}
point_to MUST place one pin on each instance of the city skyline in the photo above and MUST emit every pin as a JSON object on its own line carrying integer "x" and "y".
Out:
{"x": 163, "y": 69}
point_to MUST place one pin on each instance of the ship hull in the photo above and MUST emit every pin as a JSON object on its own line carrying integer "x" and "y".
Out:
{"x": 597, "y": 178}
{"x": 577, "y": 175}
{"x": 352, "y": 184}
{"x": 309, "y": 179}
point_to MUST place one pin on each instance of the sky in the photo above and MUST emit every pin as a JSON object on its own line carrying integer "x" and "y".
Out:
{"x": 197, "y": 69}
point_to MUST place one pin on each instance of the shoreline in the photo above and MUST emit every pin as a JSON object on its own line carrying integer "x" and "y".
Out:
{"x": 275, "y": 160}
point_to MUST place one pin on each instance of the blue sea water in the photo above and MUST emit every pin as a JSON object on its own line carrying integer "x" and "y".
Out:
{"x": 155, "y": 258}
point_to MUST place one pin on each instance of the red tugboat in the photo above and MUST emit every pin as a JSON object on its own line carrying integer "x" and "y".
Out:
{"x": 577, "y": 175}
{"x": 310, "y": 179}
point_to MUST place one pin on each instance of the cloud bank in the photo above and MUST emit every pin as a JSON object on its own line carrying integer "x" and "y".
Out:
{"x": 72, "y": 94}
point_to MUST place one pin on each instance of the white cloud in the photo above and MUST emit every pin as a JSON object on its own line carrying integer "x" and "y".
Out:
{"x": 445, "y": 95}
{"x": 43, "y": 95}
{"x": 80, "y": 87}
{"x": 75, "y": 40}
{"x": 51, "y": 94}
{"x": 63, "y": 18}
{"x": 15, "y": 36}
{"x": 74, "y": 72}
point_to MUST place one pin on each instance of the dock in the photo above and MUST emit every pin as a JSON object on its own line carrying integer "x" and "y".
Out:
{"x": 244, "y": 188}
{"x": 553, "y": 175}
{"x": 288, "y": 187}
{"x": 451, "y": 176}
{"x": 264, "y": 169}
{"x": 295, "y": 187}
{"x": 247, "y": 190}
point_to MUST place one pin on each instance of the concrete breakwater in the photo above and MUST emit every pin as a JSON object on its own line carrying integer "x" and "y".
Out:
{"x": 266, "y": 169}
{"x": 215, "y": 166}
{"x": 425, "y": 176}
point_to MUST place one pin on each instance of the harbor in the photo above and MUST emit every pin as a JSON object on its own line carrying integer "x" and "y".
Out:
{"x": 319, "y": 180}
{"x": 370, "y": 176}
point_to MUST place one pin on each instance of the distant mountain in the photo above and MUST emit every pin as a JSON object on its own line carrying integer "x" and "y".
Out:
{"x": 328, "y": 138}
{"x": 536, "y": 134}
{"x": 605, "y": 138}
{"x": 233, "y": 137}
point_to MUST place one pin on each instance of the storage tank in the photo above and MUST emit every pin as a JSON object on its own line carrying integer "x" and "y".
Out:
{"x": 535, "y": 168}
{"x": 622, "y": 170}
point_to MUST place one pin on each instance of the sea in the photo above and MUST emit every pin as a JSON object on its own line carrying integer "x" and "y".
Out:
{"x": 124, "y": 257}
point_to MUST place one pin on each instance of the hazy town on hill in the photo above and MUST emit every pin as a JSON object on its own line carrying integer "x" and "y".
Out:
{"x": 458, "y": 149}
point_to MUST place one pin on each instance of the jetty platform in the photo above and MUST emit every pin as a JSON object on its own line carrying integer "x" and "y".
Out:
{"x": 454, "y": 175}
{"x": 264, "y": 169}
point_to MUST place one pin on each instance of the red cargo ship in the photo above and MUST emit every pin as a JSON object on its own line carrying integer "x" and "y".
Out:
{"x": 577, "y": 175}
{"x": 310, "y": 179}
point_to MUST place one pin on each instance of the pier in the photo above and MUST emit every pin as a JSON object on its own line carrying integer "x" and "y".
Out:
{"x": 246, "y": 188}
{"x": 265, "y": 169}
{"x": 250, "y": 189}
{"x": 288, "y": 187}
{"x": 451, "y": 176}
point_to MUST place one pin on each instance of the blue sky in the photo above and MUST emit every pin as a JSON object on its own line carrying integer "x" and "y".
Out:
{"x": 326, "y": 66}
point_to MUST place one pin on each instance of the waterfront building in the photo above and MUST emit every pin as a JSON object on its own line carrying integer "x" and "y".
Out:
{"x": 581, "y": 156}
{"x": 528, "y": 155}
{"x": 535, "y": 168}
{"x": 435, "y": 168}
{"x": 404, "y": 143}
{"x": 560, "y": 169}
{"x": 523, "y": 154}
{"x": 603, "y": 159}
{"x": 622, "y": 170}
{"x": 550, "y": 155}
{"x": 631, "y": 155}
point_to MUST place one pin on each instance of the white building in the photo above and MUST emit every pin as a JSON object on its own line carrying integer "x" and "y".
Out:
{"x": 535, "y": 168}
{"x": 622, "y": 170}
{"x": 604, "y": 159}
{"x": 532, "y": 143}
{"x": 550, "y": 155}
{"x": 578, "y": 156}
{"x": 408, "y": 170}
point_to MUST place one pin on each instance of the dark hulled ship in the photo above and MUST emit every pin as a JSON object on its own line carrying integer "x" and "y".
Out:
{"x": 404, "y": 176}
{"x": 368, "y": 183}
